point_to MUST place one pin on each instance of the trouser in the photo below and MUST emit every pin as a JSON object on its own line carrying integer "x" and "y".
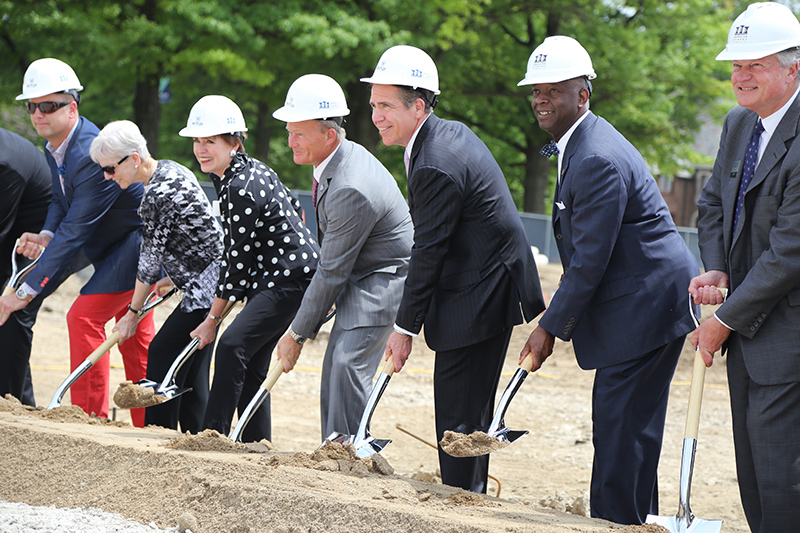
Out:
{"x": 766, "y": 438}
{"x": 188, "y": 408}
{"x": 243, "y": 355}
{"x": 350, "y": 362}
{"x": 86, "y": 321}
{"x": 629, "y": 407}
{"x": 464, "y": 387}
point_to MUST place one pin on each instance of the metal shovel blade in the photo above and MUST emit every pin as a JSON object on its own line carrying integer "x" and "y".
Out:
{"x": 364, "y": 443}
{"x": 255, "y": 403}
{"x": 499, "y": 435}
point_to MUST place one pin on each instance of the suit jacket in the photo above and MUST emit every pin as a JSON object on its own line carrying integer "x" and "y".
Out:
{"x": 626, "y": 268}
{"x": 94, "y": 214}
{"x": 24, "y": 193}
{"x": 366, "y": 235}
{"x": 472, "y": 272}
{"x": 762, "y": 258}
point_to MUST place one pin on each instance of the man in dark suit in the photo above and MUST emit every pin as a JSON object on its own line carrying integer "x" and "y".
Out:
{"x": 472, "y": 275}
{"x": 24, "y": 196}
{"x": 749, "y": 231}
{"x": 365, "y": 234}
{"x": 87, "y": 214}
{"x": 622, "y": 300}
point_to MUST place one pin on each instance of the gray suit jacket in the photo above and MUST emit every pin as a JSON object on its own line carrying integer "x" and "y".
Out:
{"x": 366, "y": 235}
{"x": 762, "y": 258}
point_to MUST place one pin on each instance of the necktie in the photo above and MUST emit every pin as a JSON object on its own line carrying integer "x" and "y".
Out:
{"x": 314, "y": 187}
{"x": 550, "y": 149}
{"x": 750, "y": 157}
{"x": 406, "y": 161}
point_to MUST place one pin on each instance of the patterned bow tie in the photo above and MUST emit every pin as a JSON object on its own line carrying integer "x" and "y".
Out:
{"x": 550, "y": 149}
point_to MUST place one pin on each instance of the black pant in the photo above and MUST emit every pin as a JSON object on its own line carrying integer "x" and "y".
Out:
{"x": 629, "y": 406}
{"x": 172, "y": 338}
{"x": 464, "y": 386}
{"x": 243, "y": 355}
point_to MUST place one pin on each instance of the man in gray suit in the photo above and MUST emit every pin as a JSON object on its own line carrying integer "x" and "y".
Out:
{"x": 366, "y": 235}
{"x": 749, "y": 233}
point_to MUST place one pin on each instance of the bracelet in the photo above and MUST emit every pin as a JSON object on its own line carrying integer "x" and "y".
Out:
{"x": 216, "y": 319}
{"x": 132, "y": 310}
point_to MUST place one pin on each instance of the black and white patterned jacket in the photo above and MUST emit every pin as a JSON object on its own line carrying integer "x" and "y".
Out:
{"x": 266, "y": 241}
{"x": 181, "y": 235}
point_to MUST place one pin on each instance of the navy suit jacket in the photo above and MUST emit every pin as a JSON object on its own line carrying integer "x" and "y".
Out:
{"x": 472, "y": 272}
{"x": 626, "y": 269}
{"x": 94, "y": 214}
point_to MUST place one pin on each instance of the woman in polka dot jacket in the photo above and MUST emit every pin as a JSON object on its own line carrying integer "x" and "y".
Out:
{"x": 269, "y": 260}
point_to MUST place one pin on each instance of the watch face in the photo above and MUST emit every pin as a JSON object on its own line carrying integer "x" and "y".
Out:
{"x": 21, "y": 294}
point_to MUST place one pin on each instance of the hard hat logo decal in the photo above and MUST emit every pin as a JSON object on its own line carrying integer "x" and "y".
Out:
{"x": 198, "y": 121}
{"x": 230, "y": 120}
{"x": 539, "y": 61}
{"x": 324, "y": 105}
{"x": 416, "y": 73}
{"x": 290, "y": 101}
{"x": 381, "y": 66}
{"x": 741, "y": 34}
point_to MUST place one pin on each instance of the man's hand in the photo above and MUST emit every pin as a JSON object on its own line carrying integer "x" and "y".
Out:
{"x": 539, "y": 345}
{"x": 32, "y": 244}
{"x": 206, "y": 332}
{"x": 126, "y": 326}
{"x": 398, "y": 347}
{"x": 709, "y": 338}
{"x": 705, "y": 288}
{"x": 288, "y": 351}
{"x": 9, "y": 304}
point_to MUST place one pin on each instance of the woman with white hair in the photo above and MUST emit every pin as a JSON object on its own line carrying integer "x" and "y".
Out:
{"x": 182, "y": 237}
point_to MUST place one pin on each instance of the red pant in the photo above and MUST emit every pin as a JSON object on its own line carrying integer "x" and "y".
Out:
{"x": 86, "y": 321}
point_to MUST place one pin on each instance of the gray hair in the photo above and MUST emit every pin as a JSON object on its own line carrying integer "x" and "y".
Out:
{"x": 408, "y": 95}
{"x": 335, "y": 125}
{"x": 788, "y": 57}
{"x": 119, "y": 139}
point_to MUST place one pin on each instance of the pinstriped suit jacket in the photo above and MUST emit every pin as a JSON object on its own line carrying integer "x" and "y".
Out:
{"x": 366, "y": 235}
{"x": 762, "y": 258}
{"x": 472, "y": 272}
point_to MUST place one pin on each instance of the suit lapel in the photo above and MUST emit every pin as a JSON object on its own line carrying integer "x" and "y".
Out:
{"x": 330, "y": 169}
{"x": 574, "y": 142}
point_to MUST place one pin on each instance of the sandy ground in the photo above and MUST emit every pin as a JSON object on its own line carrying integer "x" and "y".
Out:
{"x": 65, "y": 459}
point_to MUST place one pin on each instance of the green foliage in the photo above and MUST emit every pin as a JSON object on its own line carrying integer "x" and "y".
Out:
{"x": 657, "y": 78}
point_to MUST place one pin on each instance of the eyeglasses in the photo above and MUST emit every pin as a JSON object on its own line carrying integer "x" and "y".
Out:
{"x": 110, "y": 170}
{"x": 44, "y": 107}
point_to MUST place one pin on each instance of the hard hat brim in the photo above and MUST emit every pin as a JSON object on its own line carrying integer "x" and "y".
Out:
{"x": 39, "y": 94}
{"x": 377, "y": 81}
{"x": 200, "y": 132}
{"x": 552, "y": 79}
{"x": 286, "y": 115}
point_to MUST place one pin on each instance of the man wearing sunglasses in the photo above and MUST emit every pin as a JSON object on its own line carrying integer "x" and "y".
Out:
{"x": 87, "y": 215}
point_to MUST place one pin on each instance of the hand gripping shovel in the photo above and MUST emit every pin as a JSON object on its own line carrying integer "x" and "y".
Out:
{"x": 684, "y": 521}
{"x": 364, "y": 443}
{"x": 17, "y": 273}
{"x": 152, "y": 301}
{"x": 145, "y": 392}
{"x": 468, "y": 440}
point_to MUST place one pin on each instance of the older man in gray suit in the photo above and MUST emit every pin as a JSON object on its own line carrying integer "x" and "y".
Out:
{"x": 749, "y": 233}
{"x": 366, "y": 235}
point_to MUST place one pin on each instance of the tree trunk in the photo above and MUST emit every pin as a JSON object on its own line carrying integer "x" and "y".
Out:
{"x": 537, "y": 177}
{"x": 259, "y": 147}
{"x": 147, "y": 110}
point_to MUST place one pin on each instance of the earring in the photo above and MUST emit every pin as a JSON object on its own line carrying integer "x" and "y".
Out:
{"x": 135, "y": 166}
{"x": 233, "y": 153}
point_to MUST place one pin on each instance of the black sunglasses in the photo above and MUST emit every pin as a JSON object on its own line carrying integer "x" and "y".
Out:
{"x": 110, "y": 170}
{"x": 44, "y": 107}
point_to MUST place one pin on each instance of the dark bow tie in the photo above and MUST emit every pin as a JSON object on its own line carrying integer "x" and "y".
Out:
{"x": 550, "y": 149}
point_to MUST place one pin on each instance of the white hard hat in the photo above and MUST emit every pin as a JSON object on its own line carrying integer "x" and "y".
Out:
{"x": 313, "y": 96}
{"x": 406, "y": 65}
{"x": 213, "y": 115}
{"x": 47, "y": 76}
{"x": 763, "y": 29}
{"x": 557, "y": 59}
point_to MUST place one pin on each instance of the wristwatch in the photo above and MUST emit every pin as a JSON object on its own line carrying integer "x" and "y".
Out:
{"x": 23, "y": 295}
{"x": 299, "y": 339}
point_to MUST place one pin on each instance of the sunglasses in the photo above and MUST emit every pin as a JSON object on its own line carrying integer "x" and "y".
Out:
{"x": 110, "y": 170}
{"x": 45, "y": 107}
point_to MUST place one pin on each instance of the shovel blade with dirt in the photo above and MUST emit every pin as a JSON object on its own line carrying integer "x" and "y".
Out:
{"x": 684, "y": 521}
{"x": 469, "y": 440}
{"x": 146, "y": 393}
{"x": 152, "y": 301}
{"x": 364, "y": 443}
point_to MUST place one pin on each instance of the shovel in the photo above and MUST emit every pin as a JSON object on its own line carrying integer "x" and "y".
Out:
{"x": 167, "y": 389}
{"x": 470, "y": 443}
{"x": 151, "y": 302}
{"x": 18, "y": 273}
{"x": 364, "y": 443}
{"x": 684, "y": 521}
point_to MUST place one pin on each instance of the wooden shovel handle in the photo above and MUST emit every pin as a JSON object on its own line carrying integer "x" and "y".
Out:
{"x": 8, "y": 289}
{"x": 95, "y": 356}
{"x": 527, "y": 363}
{"x": 695, "y": 397}
{"x": 388, "y": 368}
{"x": 273, "y": 376}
